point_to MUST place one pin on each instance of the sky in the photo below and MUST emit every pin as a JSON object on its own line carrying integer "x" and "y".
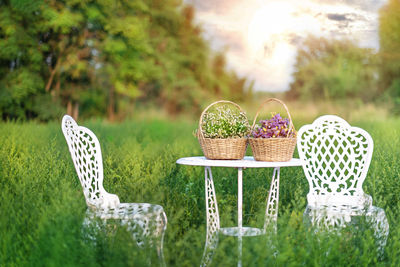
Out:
{"x": 260, "y": 38}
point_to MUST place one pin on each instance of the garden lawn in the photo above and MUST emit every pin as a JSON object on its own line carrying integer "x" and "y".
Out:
{"x": 42, "y": 205}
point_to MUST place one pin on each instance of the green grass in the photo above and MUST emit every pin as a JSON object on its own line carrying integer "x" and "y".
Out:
{"x": 42, "y": 205}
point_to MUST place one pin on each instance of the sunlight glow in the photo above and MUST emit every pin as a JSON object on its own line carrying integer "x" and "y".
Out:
{"x": 266, "y": 28}
{"x": 261, "y": 37}
{"x": 267, "y": 43}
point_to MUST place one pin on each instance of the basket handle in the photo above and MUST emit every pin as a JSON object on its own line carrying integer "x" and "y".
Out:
{"x": 291, "y": 126}
{"x": 200, "y": 132}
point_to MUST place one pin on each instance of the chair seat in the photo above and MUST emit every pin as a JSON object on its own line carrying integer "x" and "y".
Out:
{"x": 142, "y": 219}
{"x": 349, "y": 205}
{"x": 331, "y": 216}
{"x": 131, "y": 211}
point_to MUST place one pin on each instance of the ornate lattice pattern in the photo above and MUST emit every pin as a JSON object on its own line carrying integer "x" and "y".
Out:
{"x": 147, "y": 222}
{"x": 213, "y": 225}
{"x": 336, "y": 159}
{"x": 271, "y": 213}
{"x": 86, "y": 155}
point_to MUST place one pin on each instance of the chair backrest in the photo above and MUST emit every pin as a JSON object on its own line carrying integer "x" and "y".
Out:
{"x": 86, "y": 155}
{"x": 336, "y": 159}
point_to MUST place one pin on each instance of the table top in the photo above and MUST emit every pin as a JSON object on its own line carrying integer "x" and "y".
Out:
{"x": 246, "y": 162}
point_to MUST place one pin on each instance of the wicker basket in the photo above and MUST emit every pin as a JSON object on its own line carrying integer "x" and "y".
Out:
{"x": 273, "y": 149}
{"x": 217, "y": 148}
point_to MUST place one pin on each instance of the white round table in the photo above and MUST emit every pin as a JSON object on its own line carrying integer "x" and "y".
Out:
{"x": 213, "y": 225}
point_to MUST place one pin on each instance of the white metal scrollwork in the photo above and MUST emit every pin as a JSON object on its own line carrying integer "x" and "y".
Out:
{"x": 212, "y": 219}
{"x": 146, "y": 222}
{"x": 271, "y": 213}
{"x": 336, "y": 159}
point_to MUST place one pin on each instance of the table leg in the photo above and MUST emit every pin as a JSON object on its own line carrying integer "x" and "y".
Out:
{"x": 212, "y": 218}
{"x": 240, "y": 250}
{"x": 240, "y": 216}
{"x": 271, "y": 213}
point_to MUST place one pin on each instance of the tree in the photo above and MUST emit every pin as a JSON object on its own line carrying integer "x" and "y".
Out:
{"x": 20, "y": 56}
{"x": 124, "y": 46}
{"x": 101, "y": 57}
{"x": 67, "y": 34}
{"x": 334, "y": 69}
{"x": 389, "y": 33}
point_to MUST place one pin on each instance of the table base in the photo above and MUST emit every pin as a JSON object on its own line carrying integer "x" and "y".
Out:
{"x": 213, "y": 223}
{"x": 244, "y": 231}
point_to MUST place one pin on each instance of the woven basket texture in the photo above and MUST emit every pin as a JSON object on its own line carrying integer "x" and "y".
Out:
{"x": 273, "y": 149}
{"x": 218, "y": 148}
{"x": 231, "y": 148}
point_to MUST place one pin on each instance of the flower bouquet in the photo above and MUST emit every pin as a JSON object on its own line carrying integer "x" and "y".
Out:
{"x": 273, "y": 139}
{"x": 223, "y": 131}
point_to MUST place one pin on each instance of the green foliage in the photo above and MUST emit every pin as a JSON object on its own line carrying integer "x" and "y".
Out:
{"x": 339, "y": 69}
{"x": 334, "y": 69}
{"x": 225, "y": 122}
{"x": 389, "y": 33}
{"x": 20, "y": 57}
{"x": 43, "y": 206}
{"x": 126, "y": 51}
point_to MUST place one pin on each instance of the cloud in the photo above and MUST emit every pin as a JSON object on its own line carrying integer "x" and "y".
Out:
{"x": 338, "y": 17}
{"x": 215, "y": 6}
{"x": 262, "y": 46}
{"x": 364, "y": 5}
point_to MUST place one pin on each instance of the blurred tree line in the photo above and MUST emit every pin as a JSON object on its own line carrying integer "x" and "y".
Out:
{"x": 338, "y": 69}
{"x": 103, "y": 57}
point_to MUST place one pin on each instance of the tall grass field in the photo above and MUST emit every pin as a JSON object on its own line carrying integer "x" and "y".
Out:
{"x": 42, "y": 204}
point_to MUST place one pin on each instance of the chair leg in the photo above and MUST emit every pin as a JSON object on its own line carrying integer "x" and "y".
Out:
{"x": 145, "y": 232}
{"x": 377, "y": 217}
{"x": 90, "y": 226}
{"x": 142, "y": 230}
{"x": 160, "y": 240}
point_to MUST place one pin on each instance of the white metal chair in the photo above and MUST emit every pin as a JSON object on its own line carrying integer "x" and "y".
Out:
{"x": 336, "y": 158}
{"x": 147, "y": 222}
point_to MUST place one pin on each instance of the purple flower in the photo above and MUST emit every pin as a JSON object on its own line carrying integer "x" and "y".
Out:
{"x": 276, "y": 127}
